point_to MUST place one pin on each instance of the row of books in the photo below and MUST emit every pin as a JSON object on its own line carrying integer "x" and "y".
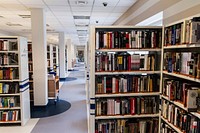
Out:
{"x": 30, "y": 58}
{"x": 127, "y": 83}
{"x": 9, "y": 73}
{"x": 127, "y": 126}
{"x": 9, "y": 102}
{"x": 165, "y": 128}
{"x": 9, "y": 59}
{"x": 125, "y": 62}
{"x": 8, "y": 45}
{"x": 127, "y": 106}
{"x": 185, "y": 32}
{"x": 179, "y": 91}
{"x": 178, "y": 117}
{"x": 12, "y": 115}
{"x": 129, "y": 39}
{"x": 30, "y": 67}
{"x": 10, "y": 88}
{"x": 187, "y": 63}
{"x": 29, "y": 46}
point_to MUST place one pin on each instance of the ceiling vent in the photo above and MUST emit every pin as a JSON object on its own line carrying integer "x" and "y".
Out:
{"x": 81, "y": 17}
{"x": 13, "y": 24}
{"x": 81, "y": 3}
{"x": 81, "y": 25}
{"x": 25, "y": 16}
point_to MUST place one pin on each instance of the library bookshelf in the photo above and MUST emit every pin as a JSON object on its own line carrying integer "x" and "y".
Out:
{"x": 14, "y": 81}
{"x": 30, "y": 69}
{"x": 180, "y": 77}
{"x": 121, "y": 57}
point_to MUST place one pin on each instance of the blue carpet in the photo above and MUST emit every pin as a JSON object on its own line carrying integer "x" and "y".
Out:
{"x": 50, "y": 110}
{"x": 68, "y": 79}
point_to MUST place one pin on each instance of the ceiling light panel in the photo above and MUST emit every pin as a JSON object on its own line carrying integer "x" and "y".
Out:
{"x": 81, "y": 2}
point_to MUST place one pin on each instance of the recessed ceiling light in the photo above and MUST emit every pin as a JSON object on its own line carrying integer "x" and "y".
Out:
{"x": 81, "y": 2}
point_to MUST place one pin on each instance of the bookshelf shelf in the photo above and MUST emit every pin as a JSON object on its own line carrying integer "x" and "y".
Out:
{"x": 175, "y": 103}
{"x": 182, "y": 76}
{"x": 10, "y": 80}
{"x": 127, "y": 116}
{"x": 9, "y": 122}
{"x": 171, "y": 125}
{"x": 128, "y": 73}
{"x": 128, "y": 94}
{"x": 182, "y": 46}
{"x": 16, "y": 94}
{"x": 9, "y": 66}
{"x": 128, "y": 50}
{"x": 13, "y": 108}
{"x": 9, "y": 52}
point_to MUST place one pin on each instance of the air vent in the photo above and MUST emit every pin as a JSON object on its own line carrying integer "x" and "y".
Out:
{"x": 50, "y": 30}
{"x": 25, "y": 16}
{"x": 13, "y": 24}
{"x": 81, "y": 17}
{"x": 81, "y": 25}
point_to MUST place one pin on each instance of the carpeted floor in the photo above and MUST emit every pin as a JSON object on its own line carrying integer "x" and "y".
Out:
{"x": 73, "y": 120}
{"x": 52, "y": 108}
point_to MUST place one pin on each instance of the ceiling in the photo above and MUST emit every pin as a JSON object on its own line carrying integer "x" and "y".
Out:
{"x": 73, "y": 17}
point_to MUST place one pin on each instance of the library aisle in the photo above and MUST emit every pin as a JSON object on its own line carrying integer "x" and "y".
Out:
{"x": 73, "y": 120}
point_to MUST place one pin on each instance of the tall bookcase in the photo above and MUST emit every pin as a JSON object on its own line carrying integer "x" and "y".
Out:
{"x": 180, "y": 98}
{"x": 14, "y": 81}
{"x": 30, "y": 68}
{"x": 55, "y": 60}
{"x": 52, "y": 58}
{"x": 125, "y": 78}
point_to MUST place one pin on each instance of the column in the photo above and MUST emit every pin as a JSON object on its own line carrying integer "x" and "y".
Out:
{"x": 62, "y": 55}
{"x": 69, "y": 54}
{"x": 39, "y": 47}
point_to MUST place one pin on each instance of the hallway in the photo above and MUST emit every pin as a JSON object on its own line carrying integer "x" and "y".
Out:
{"x": 73, "y": 120}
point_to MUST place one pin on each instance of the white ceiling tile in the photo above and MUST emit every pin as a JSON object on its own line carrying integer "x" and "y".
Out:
{"x": 102, "y": 9}
{"x": 9, "y": 2}
{"x": 126, "y": 2}
{"x": 56, "y": 2}
{"x": 32, "y": 2}
{"x": 60, "y": 8}
{"x": 14, "y": 7}
{"x": 81, "y": 13}
{"x": 80, "y": 9}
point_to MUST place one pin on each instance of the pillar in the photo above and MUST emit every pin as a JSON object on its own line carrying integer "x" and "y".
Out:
{"x": 39, "y": 49}
{"x": 62, "y": 55}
